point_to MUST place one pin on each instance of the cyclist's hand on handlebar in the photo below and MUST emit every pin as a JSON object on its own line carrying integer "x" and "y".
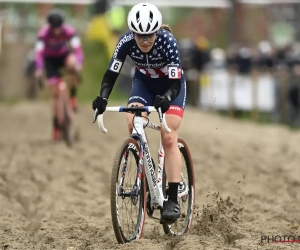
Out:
{"x": 100, "y": 104}
{"x": 161, "y": 102}
{"x": 38, "y": 73}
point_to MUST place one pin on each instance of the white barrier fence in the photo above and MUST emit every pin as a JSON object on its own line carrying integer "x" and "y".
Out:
{"x": 224, "y": 91}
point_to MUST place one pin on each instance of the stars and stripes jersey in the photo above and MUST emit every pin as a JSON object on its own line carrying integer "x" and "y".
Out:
{"x": 163, "y": 59}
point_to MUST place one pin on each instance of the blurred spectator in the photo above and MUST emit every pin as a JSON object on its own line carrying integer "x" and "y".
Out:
{"x": 98, "y": 28}
{"x": 186, "y": 47}
{"x": 29, "y": 70}
{"x": 200, "y": 54}
{"x": 194, "y": 57}
{"x": 244, "y": 60}
{"x": 217, "y": 58}
{"x": 186, "y": 50}
{"x": 265, "y": 60}
{"x": 282, "y": 57}
{"x": 116, "y": 17}
{"x": 100, "y": 7}
{"x": 294, "y": 92}
{"x": 232, "y": 53}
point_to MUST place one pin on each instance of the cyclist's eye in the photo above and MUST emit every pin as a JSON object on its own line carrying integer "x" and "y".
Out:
{"x": 143, "y": 36}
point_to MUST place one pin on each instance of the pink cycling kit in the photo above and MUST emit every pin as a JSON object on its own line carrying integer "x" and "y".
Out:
{"x": 51, "y": 50}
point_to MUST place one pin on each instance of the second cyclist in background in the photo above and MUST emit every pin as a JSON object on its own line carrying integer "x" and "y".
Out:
{"x": 58, "y": 46}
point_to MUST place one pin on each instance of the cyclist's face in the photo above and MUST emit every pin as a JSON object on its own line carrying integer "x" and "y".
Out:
{"x": 56, "y": 31}
{"x": 145, "y": 42}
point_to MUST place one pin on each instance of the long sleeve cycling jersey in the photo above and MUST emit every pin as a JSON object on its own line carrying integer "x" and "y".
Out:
{"x": 48, "y": 45}
{"x": 162, "y": 60}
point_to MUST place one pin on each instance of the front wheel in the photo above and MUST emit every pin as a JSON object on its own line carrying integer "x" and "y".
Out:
{"x": 65, "y": 127}
{"x": 186, "y": 193}
{"x": 128, "y": 192}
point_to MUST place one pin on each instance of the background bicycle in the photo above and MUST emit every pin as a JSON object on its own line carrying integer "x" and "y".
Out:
{"x": 64, "y": 110}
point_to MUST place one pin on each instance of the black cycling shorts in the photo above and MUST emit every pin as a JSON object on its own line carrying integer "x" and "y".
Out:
{"x": 144, "y": 89}
{"x": 53, "y": 65}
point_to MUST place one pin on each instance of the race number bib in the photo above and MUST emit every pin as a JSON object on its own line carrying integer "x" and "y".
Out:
{"x": 174, "y": 72}
{"x": 116, "y": 66}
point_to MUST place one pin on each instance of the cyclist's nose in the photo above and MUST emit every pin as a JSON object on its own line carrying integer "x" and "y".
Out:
{"x": 145, "y": 42}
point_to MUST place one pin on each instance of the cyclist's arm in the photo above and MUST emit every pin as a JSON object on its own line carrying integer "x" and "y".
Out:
{"x": 115, "y": 67}
{"x": 174, "y": 67}
{"x": 39, "y": 49}
{"x": 75, "y": 43}
{"x": 174, "y": 90}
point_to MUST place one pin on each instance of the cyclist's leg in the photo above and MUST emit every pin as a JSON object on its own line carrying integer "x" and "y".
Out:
{"x": 173, "y": 161}
{"x": 140, "y": 96}
{"x": 52, "y": 83}
{"x": 73, "y": 68}
{"x": 53, "y": 75}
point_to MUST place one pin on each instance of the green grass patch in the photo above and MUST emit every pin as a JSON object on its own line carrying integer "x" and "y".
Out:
{"x": 95, "y": 64}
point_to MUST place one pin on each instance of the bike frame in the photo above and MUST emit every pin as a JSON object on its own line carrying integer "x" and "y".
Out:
{"x": 154, "y": 181}
{"x": 63, "y": 96}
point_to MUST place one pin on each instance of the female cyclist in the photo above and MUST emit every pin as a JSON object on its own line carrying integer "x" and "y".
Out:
{"x": 53, "y": 53}
{"x": 158, "y": 81}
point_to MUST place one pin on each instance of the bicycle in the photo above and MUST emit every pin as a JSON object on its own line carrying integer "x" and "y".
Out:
{"x": 144, "y": 176}
{"x": 63, "y": 110}
{"x": 64, "y": 113}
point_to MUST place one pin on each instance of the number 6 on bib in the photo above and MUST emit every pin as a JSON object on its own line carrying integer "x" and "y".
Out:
{"x": 116, "y": 66}
{"x": 174, "y": 72}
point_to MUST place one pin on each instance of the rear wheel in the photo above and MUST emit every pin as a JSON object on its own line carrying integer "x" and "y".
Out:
{"x": 66, "y": 125}
{"x": 186, "y": 193}
{"x": 128, "y": 192}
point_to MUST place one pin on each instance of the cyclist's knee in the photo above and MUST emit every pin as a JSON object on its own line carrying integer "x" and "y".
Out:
{"x": 72, "y": 65}
{"x": 71, "y": 61}
{"x": 169, "y": 140}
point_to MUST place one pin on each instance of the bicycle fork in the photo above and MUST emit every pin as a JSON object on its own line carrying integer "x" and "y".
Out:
{"x": 136, "y": 188}
{"x": 63, "y": 104}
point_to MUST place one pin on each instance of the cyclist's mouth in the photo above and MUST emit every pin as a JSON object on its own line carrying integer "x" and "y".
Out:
{"x": 146, "y": 47}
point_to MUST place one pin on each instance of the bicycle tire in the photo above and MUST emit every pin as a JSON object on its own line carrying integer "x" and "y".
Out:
{"x": 133, "y": 146}
{"x": 66, "y": 126}
{"x": 31, "y": 90}
{"x": 188, "y": 217}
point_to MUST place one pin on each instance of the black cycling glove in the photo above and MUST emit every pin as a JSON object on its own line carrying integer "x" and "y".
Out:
{"x": 161, "y": 102}
{"x": 100, "y": 104}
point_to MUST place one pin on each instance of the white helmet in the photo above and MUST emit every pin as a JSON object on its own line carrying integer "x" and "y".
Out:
{"x": 144, "y": 18}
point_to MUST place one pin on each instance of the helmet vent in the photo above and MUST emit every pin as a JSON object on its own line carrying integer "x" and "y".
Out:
{"x": 138, "y": 16}
{"x": 141, "y": 28}
{"x": 155, "y": 26}
{"x": 132, "y": 25}
{"x": 151, "y": 16}
{"x": 148, "y": 27}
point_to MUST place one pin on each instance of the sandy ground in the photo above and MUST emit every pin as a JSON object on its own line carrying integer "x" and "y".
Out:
{"x": 52, "y": 197}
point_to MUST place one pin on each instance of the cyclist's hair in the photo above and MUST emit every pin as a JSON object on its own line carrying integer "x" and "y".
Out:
{"x": 165, "y": 27}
